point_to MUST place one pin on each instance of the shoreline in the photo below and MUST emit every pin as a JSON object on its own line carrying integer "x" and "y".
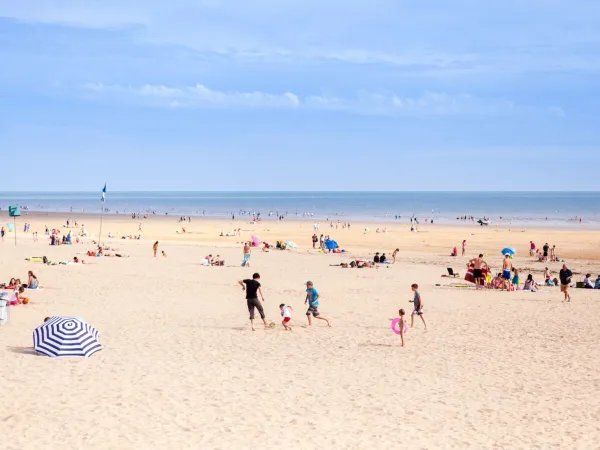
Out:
{"x": 384, "y": 222}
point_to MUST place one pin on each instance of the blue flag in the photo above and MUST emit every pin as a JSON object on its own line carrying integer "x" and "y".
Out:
{"x": 104, "y": 193}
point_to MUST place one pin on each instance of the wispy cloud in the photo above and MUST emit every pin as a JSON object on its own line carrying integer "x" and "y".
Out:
{"x": 390, "y": 32}
{"x": 363, "y": 103}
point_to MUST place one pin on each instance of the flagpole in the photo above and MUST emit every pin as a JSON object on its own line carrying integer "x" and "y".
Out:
{"x": 102, "y": 214}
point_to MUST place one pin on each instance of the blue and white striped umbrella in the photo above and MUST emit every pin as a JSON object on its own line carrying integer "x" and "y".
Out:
{"x": 66, "y": 336}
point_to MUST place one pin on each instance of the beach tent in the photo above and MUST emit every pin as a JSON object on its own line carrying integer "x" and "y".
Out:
{"x": 255, "y": 241}
{"x": 508, "y": 251}
{"x": 291, "y": 244}
{"x": 331, "y": 244}
{"x": 66, "y": 336}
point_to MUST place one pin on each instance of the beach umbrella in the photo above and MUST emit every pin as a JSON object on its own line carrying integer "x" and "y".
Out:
{"x": 331, "y": 244}
{"x": 10, "y": 227}
{"x": 66, "y": 336}
{"x": 255, "y": 241}
{"x": 509, "y": 251}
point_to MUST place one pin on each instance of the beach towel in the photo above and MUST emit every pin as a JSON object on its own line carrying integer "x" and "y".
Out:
{"x": 469, "y": 275}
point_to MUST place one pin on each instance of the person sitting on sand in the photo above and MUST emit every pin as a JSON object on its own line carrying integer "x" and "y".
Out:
{"x": 597, "y": 284}
{"x": 218, "y": 262}
{"x": 207, "y": 260}
{"x": 376, "y": 258}
{"x": 32, "y": 281}
{"x": 454, "y": 252}
{"x": 587, "y": 283}
{"x": 383, "y": 259}
{"x": 266, "y": 247}
{"x": 164, "y": 254}
{"x": 18, "y": 298}
{"x": 498, "y": 282}
{"x": 530, "y": 284}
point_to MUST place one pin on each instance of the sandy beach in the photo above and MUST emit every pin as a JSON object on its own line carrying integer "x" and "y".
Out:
{"x": 181, "y": 369}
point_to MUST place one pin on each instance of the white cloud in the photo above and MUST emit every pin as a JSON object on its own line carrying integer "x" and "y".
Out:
{"x": 392, "y": 32}
{"x": 363, "y": 103}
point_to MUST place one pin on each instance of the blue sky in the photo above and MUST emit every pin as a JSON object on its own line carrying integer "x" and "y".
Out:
{"x": 300, "y": 95}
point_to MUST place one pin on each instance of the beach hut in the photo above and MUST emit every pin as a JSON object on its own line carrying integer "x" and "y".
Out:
{"x": 64, "y": 336}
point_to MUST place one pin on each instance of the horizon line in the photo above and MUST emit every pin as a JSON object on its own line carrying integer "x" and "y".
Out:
{"x": 295, "y": 191}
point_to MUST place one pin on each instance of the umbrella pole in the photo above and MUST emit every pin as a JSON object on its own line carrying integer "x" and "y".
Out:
{"x": 15, "y": 225}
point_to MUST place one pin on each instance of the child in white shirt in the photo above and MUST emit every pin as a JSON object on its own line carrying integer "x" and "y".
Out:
{"x": 286, "y": 313}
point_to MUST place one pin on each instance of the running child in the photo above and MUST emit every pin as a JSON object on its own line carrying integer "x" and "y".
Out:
{"x": 418, "y": 311}
{"x": 312, "y": 298}
{"x": 286, "y": 313}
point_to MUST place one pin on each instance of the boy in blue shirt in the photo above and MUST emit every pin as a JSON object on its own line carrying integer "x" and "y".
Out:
{"x": 312, "y": 298}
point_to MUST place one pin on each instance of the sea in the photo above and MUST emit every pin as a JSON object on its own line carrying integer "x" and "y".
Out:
{"x": 526, "y": 208}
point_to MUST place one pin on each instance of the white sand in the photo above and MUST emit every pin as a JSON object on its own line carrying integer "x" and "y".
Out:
{"x": 180, "y": 368}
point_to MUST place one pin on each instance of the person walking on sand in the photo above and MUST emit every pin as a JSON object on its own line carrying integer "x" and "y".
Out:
{"x": 506, "y": 272}
{"x": 478, "y": 265}
{"x": 464, "y": 246}
{"x": 286, "y": 313}
{"x": 531, "y": 248}
{"x": 247, "y": 250}
{"x": 394, "y": 254}
{"x": 546, "y": 248}
{"x": 315, "y": 239}
{"x": 312, "y": 298}
{"x": 155, "y": 248}
{"x": 565, "y": 281}
{"x": 253, "y": 288}
{"x": 418, "y": 305}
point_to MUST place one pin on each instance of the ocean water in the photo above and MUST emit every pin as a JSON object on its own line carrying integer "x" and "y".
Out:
{"x": 507, "y": 207}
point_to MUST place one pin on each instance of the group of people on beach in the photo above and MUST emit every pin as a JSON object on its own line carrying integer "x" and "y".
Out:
{"x": 253, "y": 289}
{"x": 509, "y": 278}
{"x": 17, "y": 296}
{"x": 546, "y": 254}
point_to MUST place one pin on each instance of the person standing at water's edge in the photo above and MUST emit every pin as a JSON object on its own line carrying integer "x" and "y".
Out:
{"x": 253, "y": 288}
{"x": 247, "y": 250}
{"x": 155, "y": 248}
{"x": 565, "y": 281}
{"x": 478, "y": 265}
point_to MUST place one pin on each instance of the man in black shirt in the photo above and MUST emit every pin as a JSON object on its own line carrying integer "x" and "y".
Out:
{"x": 565, "y": 280}
{"x": 252, "y": 288}
{"x": 546, "y": 248}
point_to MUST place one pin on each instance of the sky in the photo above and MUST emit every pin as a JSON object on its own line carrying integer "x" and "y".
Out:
{"x": 300, "y": 95}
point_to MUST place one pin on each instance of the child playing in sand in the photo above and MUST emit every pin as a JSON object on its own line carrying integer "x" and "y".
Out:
{"x": 402, "y": 327}
{"x": 164, "y": 254}
{"x": 312, "y": 298}
{"x": 286, "y": 313}
{"x": 418, "y": 311}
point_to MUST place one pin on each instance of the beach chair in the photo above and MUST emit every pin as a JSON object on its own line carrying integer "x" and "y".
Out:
{"x": 452, "y": 274}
